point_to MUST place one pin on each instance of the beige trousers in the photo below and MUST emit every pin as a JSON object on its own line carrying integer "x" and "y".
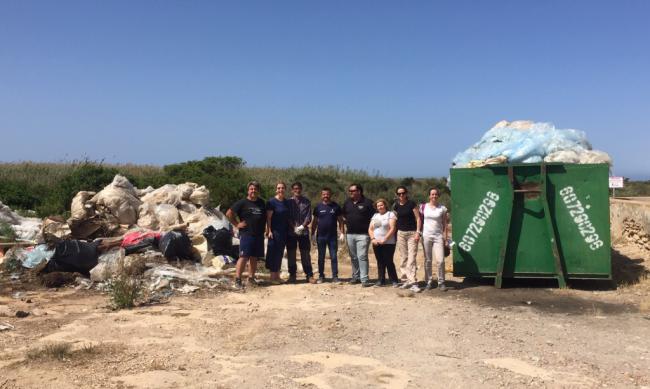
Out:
{"x": 434, "y": 246}
{"x": 408, "y": 251}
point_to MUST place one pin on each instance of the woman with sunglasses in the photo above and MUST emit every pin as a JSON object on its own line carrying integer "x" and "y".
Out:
{"x": 408, "y": 238}
{"x": 434, "y": 235}
{"x": 277, "y": 229}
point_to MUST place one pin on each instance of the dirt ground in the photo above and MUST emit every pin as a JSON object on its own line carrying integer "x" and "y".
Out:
{"x": 337, "y": 336}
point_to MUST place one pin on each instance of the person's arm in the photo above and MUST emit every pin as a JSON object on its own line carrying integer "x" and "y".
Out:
{"x": 371, "y": 232}
{"x": 418, "y": 222}
{"x": 445, "y": 229}
{"x": 308, "y": 218}
{"x": 392, "y": 227}
{"x": 269, "y": 216}
{"x": 314, "y": 224}
{"x": 230, "y": 214}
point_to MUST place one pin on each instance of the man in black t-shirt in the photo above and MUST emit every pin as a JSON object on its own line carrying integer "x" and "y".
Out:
{"x": 357, "y": 211}
{"x": 249, "y": 216}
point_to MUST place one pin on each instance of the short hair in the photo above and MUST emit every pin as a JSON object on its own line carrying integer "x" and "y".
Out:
{"x": 280, "y": 182}
{"x": 359, "y": 187}
{"x": 254, "y": 183}
{"x": 401, "y": 187}
{"x": 297, "y": 183}
{"x": 433, "y": 188}
{"x": 383, "y": 201}
{"x": 326, "y": 188}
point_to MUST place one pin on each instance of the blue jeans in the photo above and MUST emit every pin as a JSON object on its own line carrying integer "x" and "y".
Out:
{"x": 358, "y": 247}
{"x": 322, "y": 244}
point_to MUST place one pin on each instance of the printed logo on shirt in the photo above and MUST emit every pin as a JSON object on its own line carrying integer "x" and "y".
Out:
{"x": 360, "y": 207}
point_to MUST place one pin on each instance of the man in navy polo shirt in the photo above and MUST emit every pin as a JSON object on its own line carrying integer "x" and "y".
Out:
{"x": 327, "y": 214}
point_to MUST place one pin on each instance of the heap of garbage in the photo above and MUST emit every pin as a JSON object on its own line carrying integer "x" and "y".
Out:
{"x": 122, "y": 225}
{"x": 524, "y": 141}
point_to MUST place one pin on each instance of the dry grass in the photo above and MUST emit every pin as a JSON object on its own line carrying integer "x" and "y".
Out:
{"x": 58, "y": 351}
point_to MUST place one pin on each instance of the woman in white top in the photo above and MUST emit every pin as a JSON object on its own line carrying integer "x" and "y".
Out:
{"x": 382, "y": 236}
{"x": 434, "y": 234}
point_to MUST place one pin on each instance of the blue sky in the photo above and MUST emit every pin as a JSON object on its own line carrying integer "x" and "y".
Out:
{"x": 391, "y": 87}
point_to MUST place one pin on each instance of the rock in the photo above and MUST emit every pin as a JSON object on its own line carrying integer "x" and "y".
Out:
{"x": 21, "y": 314}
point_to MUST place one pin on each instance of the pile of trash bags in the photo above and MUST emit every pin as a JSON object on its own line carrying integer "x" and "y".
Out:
{"x": 525, "y": 141}
{"x": 120, "y": 205}
{"x": 122, "y": 224}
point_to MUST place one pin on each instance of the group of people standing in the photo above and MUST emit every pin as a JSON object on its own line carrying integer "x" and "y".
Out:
{"x": 290, "y": 223}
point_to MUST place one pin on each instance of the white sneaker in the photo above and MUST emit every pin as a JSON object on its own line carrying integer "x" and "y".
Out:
{"x": 415, "y": 288}
{"x": 405, "y": 285}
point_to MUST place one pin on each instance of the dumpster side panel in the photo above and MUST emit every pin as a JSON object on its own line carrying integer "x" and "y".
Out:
{"x": 480, "y": 208}
{"x": 580, "y": 205}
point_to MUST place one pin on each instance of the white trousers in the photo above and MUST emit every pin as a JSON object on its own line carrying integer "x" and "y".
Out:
{"x": 434, "y": 245}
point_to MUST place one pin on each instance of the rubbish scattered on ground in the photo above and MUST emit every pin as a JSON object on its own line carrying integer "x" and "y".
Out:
{"x": 55, "y": 229}
{"x": 186, "y": 289}
{"x": 38, "y": 254}
{"x": 26, "y": 228}
{"x": 6, "y": 327}
{"x": 22, "y": 314}
{"x": 122, "y": 230}
{"x": 73, "y": 256}
{"x": 525, "y": 141}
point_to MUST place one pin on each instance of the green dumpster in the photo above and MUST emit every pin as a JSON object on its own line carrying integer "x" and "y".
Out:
{"x": 531, "y": 220}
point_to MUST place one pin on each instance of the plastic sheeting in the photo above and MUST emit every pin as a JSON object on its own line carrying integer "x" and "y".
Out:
{"x": 529, "y": 142}
{"x": 39, "y": 254}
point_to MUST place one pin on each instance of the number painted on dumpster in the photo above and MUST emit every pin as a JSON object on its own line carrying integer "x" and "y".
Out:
{"x": 479, "y": 221}
{"x": 580, "y": 217}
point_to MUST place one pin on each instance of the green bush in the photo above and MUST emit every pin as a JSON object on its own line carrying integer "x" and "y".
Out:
{"x": 86, "y": 176}
{"x": 124, "y": 290}
{"x": 223, "y": 176}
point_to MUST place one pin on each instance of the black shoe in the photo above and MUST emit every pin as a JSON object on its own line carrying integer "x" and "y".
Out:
{"x": 336, "y": 280}
{"x": 354, "y": 281}
{"x": 380, "y": 283}
{"x": 442, "y": 287}
{"x": 320, "y": 280}
{"x": 238, "y": 284}
{"x": 366, "y": 284}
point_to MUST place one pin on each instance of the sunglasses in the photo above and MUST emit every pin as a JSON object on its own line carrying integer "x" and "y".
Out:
{"x": 401, "y": 193}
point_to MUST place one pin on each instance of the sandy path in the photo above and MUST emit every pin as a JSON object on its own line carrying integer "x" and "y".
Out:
{"x": 336, "y": 336}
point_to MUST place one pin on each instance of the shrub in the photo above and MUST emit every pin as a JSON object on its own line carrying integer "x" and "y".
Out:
{"x": 124, "y": 291}
{"x": 223, "y": 176}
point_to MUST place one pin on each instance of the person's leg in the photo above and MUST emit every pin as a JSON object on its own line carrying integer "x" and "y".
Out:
{"x": 256, "y": 252}
{"x": 428, "y": 258}
{"x": 334, "y": 248}
{"x": 252, "y": 267}
{"x": 390, "y": 266}
{"x": 402, "y": 253}
{"x": 380, "y": 253}
{"x": 439, "y": 251}
{"x": 292, "y": 245}
{"x": 272, "y": 256}
{"x": 362, "y": 254}
{"x": 352, "y": 249}
{"x": 241, "y": 264}
{"x": 321, "y": 244}
{"x": 305, "y": 256}
{"x": 412, "y": 250}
